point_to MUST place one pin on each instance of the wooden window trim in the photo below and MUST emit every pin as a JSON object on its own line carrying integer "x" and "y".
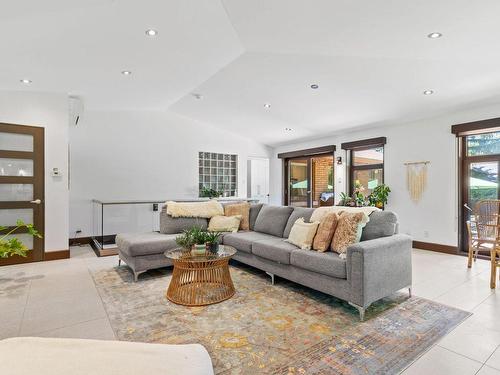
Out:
{"x": 308, "y": 152}
{"x": 476, "y": 127}
{"x": 364, "y": 144}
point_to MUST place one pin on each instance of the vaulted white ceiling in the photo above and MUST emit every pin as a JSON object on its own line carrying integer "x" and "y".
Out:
{"x": 371, "y": 59}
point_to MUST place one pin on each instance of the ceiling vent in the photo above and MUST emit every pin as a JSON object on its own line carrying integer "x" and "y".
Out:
{"x": 75, "y": 110}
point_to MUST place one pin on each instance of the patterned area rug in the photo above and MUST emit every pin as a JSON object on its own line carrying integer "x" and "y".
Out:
{"x": 280, "y": 329}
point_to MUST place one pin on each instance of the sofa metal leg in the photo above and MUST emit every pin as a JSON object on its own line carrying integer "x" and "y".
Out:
{"x": 361, "y": 311}
{"x": 136, "y": 275}
{"x": 119, "y": 262}
{"x": 272, "y": 277}
{"x": 409, "y": 291}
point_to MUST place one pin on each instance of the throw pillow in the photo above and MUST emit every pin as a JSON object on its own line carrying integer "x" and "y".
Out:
{"x": 302, "y": 234}
{"x": 242, "y": 209}
{"x": 325, "y": 232}
{"x": 224, "y": 223}
{"x": 206, "y": 209}
{"x": 348, "y": 230}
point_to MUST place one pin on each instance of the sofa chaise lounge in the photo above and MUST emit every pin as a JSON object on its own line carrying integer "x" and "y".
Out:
{"x": 374, "y": 268}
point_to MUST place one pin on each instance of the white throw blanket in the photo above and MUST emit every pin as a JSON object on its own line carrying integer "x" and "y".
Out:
{"x": 320, "y": 212}
{"x": 206, "y": 209}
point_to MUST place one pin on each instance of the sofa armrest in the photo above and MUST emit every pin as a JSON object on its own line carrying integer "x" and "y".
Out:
{"x": 378, "y": 268}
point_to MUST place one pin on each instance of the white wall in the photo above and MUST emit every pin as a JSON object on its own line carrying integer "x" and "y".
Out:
{"x": 142, "y": 155}
{"x": 434, "y": 218}
{"x": 51, "y": 112}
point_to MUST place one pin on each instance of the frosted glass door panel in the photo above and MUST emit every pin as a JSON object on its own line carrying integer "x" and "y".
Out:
{"x": 9, "y": 217}
{"x": 16, "y": 167}
{"x": 16, "y": 192}
{"x": 16, "y": 142}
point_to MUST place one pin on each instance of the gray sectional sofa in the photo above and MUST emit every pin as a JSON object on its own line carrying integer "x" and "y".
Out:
{"x": 374, "y": 268}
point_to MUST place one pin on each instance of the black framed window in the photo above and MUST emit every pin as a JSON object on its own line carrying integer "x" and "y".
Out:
{"x": 366, "y": 163}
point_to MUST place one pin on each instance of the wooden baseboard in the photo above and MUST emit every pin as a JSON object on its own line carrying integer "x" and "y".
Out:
{"x": 79, "y": 241}
{"x": 56, "y": 255}
{"x": 447, "y": 249}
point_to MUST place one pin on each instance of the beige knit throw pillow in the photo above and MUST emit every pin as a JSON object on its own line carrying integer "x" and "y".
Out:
{"x": 302, "y": 234}
{"x": 325, "y": 232}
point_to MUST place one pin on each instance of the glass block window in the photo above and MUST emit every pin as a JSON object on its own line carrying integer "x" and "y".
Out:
{"x": 218, "y": 172}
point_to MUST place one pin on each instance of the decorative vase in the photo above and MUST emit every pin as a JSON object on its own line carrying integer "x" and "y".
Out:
{"x": 213, "y": 247}
{"x": 198, "y": 249}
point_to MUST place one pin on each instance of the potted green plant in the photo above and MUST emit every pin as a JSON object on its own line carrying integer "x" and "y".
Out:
{"x": 212, "y": 239}
{"x": 13, "y": 246}
{"x": 379, "y": 196}
{"x": 195, "y": 239}
{"x": 207, "y": 192}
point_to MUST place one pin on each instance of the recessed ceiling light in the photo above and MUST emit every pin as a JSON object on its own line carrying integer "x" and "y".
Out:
{"x": 428, "y": 92}
{"x": 126, "y": 72}
{"x": 314, "y": 86}
{"x": 26, "y": 81}
{"x": 151, "y": 32}
{"x": 434, "y": 35}
{"x": 288, "y": 129}
{"x": 197, "y": 96}
{"x": 267, "y": 105}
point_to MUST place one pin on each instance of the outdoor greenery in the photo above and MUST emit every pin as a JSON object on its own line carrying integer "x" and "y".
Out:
{"x": 13, "y": 246}
{"x": 196, "y": 236}
{"x": 207, "y": 192}
{"x": 483, "y": 144}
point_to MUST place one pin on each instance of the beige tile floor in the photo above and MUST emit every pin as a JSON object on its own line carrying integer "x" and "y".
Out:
{"x": 59, "y": 299}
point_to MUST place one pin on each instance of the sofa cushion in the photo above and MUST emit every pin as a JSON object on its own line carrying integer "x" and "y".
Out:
{"x": 276, "y": 249}
{"x": 297, "y": 213}
{"x": 137, "y": 244}
{"x": 328, "y": 263}
{"x": 272, "y": 220}
{"x": 242, "y": 241}
{"x": 175, "y": 225}
{"x": 254, "y": 212}
{"x": 381, "y": 224}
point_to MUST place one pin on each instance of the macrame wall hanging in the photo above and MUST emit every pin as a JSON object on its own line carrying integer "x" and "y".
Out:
{"x": 416, "y": 179}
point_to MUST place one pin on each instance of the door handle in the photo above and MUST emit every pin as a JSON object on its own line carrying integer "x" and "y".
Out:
{"x": 467, "y": 207}
{"x": 36, "y": 201}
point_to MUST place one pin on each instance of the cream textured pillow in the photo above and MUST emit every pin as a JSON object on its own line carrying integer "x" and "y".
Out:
{"x": 325, "y": 232}
{"x": 242, "y": 209}
{"x": 302, "y": 234}
{"x": 348, "y": 230}
{"x": 206, "y": 209}
{"x": 224, "y": 223}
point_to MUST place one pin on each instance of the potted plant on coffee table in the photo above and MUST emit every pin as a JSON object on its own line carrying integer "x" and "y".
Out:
{"x": 194, "y": 239}
{"x": 212, "y": 239}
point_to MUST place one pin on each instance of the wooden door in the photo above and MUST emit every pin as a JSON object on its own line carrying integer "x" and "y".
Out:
{"x": 22, "y": 185}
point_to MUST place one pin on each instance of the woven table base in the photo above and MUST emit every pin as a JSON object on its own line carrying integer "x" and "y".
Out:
{"x": 200, "y": 283}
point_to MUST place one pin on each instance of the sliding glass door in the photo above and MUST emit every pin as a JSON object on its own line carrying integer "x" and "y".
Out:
{"x": 309, "y": 181}
{"x": 481, "y": 164}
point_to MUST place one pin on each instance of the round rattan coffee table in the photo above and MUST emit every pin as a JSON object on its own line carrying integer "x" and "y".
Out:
{"x": 199, "y": 280}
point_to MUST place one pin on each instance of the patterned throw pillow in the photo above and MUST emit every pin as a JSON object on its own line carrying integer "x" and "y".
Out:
{"x": 224, "y": 223}
{"x": 302, "y": 234}
{"x": 325, "y": 232}
{"x": 242, "y": 209}
{"x": 348, "y": 230}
